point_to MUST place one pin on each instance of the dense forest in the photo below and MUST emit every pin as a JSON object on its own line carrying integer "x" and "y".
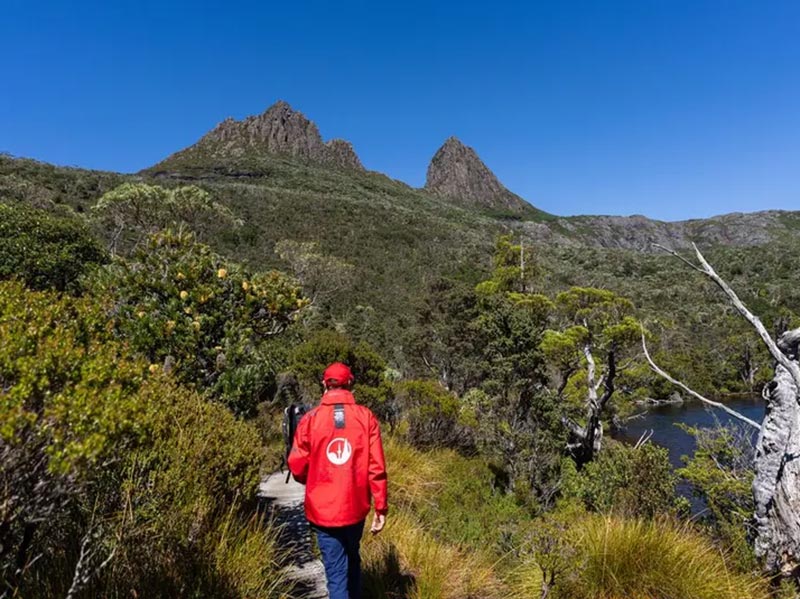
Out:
{"x": 150, "y": 324}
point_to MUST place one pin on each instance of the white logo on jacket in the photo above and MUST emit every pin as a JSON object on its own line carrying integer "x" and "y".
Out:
{"x": 339, "y": 451}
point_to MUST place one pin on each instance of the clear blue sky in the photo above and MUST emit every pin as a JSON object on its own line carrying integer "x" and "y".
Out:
{"x": 666, "y": 108}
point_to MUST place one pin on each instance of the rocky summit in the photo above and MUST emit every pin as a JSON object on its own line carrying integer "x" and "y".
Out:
{"x": 457, "y": 173}
{"x": 279, "y": 131}
{"x": 283, "y": 147}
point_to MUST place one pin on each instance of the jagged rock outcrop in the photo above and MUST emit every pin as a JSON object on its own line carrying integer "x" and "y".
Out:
{"x": 236, "y": 149}
{"x": 279, "y": 131}
{"x": 456, "y": 172}
{"x": 340, "y": 153}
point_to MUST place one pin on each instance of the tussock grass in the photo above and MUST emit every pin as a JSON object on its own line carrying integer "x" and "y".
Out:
{"x": 606, "y": 557}
{"x": 246, "y": 557}
{"x": 409, "y": 560}
{"x": 622, "y": 558}
{"x": 414, "y": 476}
{"x": 406, "y": 561}
{"x": 524, "y": 580}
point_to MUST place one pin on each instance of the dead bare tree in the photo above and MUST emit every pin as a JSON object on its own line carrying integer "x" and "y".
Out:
{"x": 585, "y": 440}
{"x": 91, "y": 560}
{"x": 776, "y": 486}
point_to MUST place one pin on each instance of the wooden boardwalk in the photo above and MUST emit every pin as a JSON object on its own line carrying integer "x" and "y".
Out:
{"x": 286, "y": 503}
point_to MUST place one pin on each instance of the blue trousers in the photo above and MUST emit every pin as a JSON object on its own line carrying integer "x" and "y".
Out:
{"x": 339, "y": 547}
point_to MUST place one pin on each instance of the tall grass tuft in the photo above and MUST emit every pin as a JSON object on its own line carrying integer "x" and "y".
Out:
{"x": 407, "y": 562}
{"x": 414, "y": 476}
{"x": 246, "y": 557}
{"x": 620, "y": 558}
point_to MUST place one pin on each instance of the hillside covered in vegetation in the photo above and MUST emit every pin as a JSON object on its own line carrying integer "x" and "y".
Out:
{"x": 155, "y": 324}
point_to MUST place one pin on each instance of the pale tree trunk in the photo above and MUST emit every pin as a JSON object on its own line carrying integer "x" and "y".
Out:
{"x": 585, "y": 441}
{"x": 748, "y": 369}
{"x": 776, "y": 486}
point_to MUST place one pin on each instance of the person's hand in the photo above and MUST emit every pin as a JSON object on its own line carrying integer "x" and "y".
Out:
{"x": 378, "y": 522}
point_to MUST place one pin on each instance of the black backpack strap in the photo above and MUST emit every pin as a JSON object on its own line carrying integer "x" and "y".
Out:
{"x": 338, "y": 415}
{"x": 290, "y": 424}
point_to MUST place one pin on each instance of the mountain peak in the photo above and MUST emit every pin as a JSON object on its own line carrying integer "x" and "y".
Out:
{"x": 280, "y": 105}
{"x": 280, "y": 130}
{"x": 453, "y": 142}
{"x": 457, "y": 172}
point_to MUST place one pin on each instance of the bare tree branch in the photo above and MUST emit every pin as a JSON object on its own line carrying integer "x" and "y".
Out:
{"x": 674, "y": 381}
{"x": 645, "y": 437}
{"x": 679, "y": 257}
{"x": 85, "y": 569}
{"x": 590, "y": 368}
{"x": 705, "y": 268}
{"x": 773, "y": 348}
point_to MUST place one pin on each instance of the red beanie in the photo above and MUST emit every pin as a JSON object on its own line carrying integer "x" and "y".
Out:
{"x": 338, "y": 374}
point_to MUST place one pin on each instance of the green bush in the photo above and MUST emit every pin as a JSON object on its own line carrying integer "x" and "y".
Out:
{"x": 372, "y": 388}
{"x": 45, "y": 250}
{"x": 626, "y": 480}
{"x": 432, "y": 413}
{"x": 103, "y": 459}
{"x": 128, "y": 214}
{"x": 187, "y": 491}
{"x": 721, "y": 474}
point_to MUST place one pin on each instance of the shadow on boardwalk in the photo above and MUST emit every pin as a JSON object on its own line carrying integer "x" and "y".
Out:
{"x": 285, "y": 503}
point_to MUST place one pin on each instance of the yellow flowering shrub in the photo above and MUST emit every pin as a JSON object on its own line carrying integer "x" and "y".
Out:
{"x": 180, "y": 304}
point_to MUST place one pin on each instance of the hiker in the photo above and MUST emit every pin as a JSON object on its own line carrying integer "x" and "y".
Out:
{"x": 337, "y": 453}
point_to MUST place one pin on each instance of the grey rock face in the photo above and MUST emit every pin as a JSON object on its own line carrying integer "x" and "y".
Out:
{"x": 640, "y": 233}
{"x": 340, "y": 153}
{"x": 281, "y": 131}
{"x": 456, "y": 172}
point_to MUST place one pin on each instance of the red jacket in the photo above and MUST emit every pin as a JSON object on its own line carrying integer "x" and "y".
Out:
{"x": 339, "y": 457}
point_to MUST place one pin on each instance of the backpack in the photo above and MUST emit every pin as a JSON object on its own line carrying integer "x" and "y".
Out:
{"x": 291, "y": 419}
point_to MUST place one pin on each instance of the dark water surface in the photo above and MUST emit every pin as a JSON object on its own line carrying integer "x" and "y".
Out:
{"x": 662, "y": 420}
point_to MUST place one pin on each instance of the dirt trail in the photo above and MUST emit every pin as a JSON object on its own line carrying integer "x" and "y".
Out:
{"x": 286, "y": 502}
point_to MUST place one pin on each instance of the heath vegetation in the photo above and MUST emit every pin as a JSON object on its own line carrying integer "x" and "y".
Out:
{"x": 153, "y": 327}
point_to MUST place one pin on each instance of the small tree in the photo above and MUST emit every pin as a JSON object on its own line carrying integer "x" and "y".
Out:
{"x": 127, "y": 215}
{"x": 594, "y": 321}
{"x": 514, "y": 269}
{"x": 516, "y": 423}
{"x": 720, "y": 472}
{"x": 373, "y": 387}
{"x": 442, "y": 344}
{"x": 323, "y": 276}
{"x": 551, "y": 545}
{"x": 433, "y": 416}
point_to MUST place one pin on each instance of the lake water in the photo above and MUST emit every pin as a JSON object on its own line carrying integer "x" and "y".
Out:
{"x": 663, "y": 418}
